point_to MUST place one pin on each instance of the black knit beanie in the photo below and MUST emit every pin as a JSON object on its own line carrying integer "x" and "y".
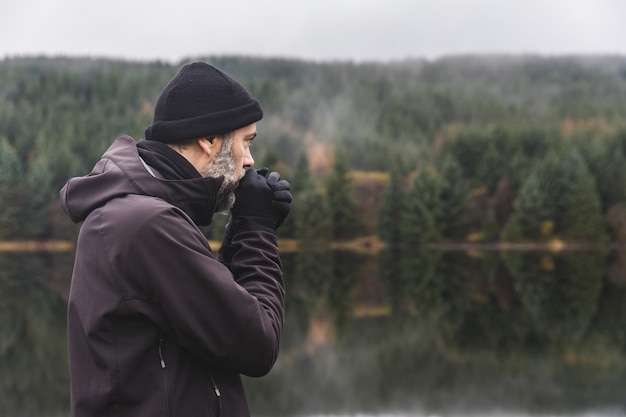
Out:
{"x": 200, "y": 101}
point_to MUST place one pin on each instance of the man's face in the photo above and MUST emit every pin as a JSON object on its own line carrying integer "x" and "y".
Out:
{"x": 242, "y": 140}
{"x": 229, "y": 161}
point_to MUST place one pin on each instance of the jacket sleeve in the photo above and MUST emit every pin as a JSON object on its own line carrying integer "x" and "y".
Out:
{"x": 230, "y": 317}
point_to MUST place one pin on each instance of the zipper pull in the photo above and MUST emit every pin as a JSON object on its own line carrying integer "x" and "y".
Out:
{"x": 161, "y": 353}
{"x": 218, "y": 394}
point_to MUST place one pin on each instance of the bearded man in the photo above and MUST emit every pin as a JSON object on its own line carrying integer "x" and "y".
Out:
{"x": 158, "y": 325}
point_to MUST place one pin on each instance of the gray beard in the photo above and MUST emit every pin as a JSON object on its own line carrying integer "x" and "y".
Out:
{"x": 223, "y": 165}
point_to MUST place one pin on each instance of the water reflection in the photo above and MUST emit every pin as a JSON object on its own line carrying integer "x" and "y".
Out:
{"x": 398, "y": 333}
{"x": 450, "y": 333}
{"x": 33, "y": 371}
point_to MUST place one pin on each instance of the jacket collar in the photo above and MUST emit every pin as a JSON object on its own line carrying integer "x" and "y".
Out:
{"x": 121, "y": 172}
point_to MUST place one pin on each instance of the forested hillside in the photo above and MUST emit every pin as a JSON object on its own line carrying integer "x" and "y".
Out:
{"x": 478, "y": 148}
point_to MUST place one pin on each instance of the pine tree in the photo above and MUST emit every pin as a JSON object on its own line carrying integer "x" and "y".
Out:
{"x": 312, "y": 218}
{"x": 489, "y": 166}
{"x": 490, "y": 229}
{"x": 343, "y": 207}
{"x": 453, "y": 200}
{"x": 539, "y": 198}
{"x": 559, "y": 198}
{"x": 581, "y": 215}
{"x": 301, "y": 184}
{"x": 302, "y": 179}
{"x": 608, "y": 165}
{"x": 390, "y": 224}
{"x": 419, "y": 220}
{"x": 11, "y": 191}
{"x": 35, "y": 211}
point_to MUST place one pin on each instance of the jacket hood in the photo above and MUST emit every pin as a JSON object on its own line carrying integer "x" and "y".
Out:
{"x": 120, "y": 172}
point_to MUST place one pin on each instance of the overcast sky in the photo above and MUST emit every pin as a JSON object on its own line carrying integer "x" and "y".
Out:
{"x": 321, "y": 30}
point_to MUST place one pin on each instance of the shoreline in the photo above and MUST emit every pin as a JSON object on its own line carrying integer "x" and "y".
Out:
{"x": 36, "y": 246}
{"x": 364, "y": 244}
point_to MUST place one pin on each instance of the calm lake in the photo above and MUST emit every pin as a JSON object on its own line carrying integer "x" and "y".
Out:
{"x": 399, "y": 334}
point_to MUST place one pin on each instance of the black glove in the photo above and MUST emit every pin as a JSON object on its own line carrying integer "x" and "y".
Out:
{"x": 262, "y": 201}
{"x": 281, "y": 196}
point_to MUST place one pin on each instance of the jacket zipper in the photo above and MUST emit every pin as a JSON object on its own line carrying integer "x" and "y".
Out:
{"x": 169, "y": 411}
{"x": 218, "y": 395}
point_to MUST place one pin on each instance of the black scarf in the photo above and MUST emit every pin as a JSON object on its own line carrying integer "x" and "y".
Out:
{"x": 168, "y": 162}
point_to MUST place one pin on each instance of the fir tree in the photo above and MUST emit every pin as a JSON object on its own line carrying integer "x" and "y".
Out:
{"x": 11, "y": 191}
{"x": 581, "y": 217}
{"x": 453, "y": 200}
{"x": 538, "y": 199}
{"x": 301, "y": 185}
{"x": 342, "y": 205}
{"x": 608, "y": 165}
{"x": 419, "y": 220}
{"x": 302, "y": 179}
{"x": 490, "y": 228}
{"x": 490, "y": 168}
{"x": 312, "y": 218}
{"x": 390, "y": 224}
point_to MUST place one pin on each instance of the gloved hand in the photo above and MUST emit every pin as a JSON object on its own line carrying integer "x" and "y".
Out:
{"x": 281, "y": 196}
{"x": 262, "y": 201}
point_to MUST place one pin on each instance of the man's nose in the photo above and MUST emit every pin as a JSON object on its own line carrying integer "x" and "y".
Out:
{"x": 248, "y": 160}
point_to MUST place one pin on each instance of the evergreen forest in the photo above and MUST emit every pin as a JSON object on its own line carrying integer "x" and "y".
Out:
{"x": 462, "y": 149}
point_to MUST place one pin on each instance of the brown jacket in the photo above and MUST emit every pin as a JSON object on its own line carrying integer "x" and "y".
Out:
{"x": 157, "y": 326}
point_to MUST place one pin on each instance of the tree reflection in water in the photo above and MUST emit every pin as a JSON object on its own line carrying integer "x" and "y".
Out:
{"x": 33, "y": 358}
{"x": 451, "y": 332}
{"x": 403, "y": 331}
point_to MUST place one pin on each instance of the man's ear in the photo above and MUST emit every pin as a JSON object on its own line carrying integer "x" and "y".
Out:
{"x": 209, "y": 145}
